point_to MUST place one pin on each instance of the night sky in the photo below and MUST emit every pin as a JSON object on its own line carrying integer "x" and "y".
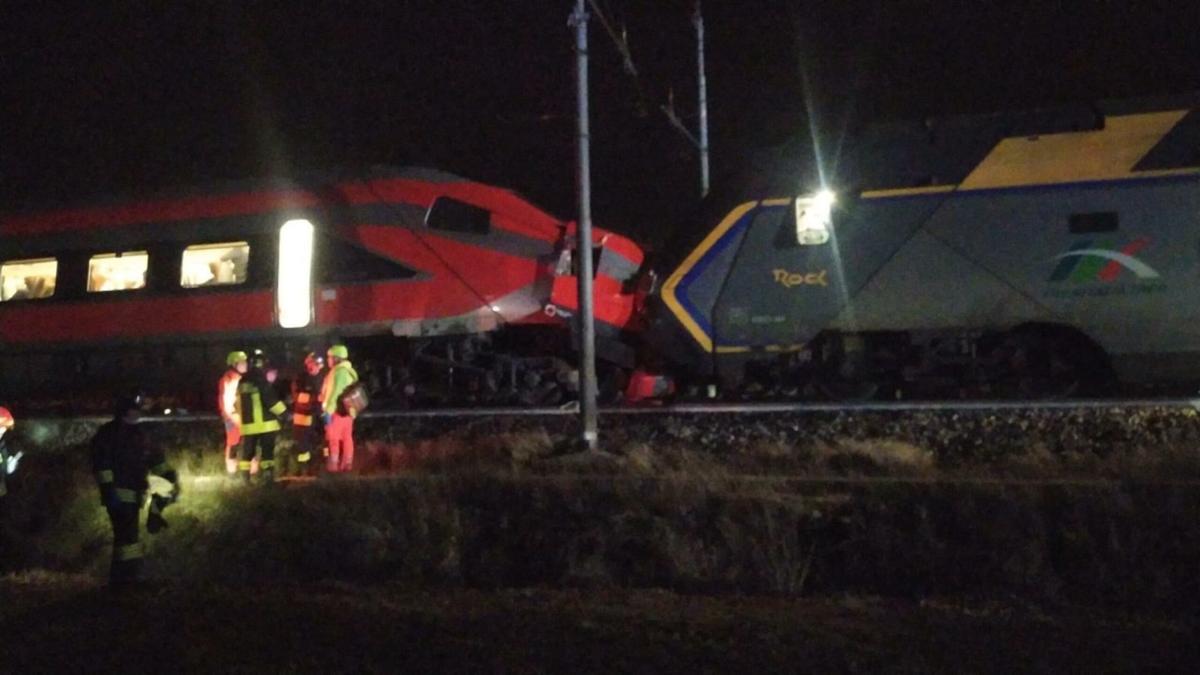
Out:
{"x": 100, "y": 102}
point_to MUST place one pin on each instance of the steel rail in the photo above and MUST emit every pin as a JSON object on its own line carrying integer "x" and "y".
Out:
{"x": 795, "y": 408}
{"x": 910, "y": 406}
{"x": 735, "y": 479}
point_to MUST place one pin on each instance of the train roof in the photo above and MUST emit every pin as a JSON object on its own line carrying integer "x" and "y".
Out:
{"x": 1155, "y": 133}
{"x": 300, "y": 181}
{"x": 218, "y": 199}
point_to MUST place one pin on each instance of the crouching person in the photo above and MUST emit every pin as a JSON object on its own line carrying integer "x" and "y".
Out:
{"x": 122, "y": 459}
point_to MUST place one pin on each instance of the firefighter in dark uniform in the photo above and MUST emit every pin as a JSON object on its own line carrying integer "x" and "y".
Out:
{"x": 307, "y": 429}
{"x": 122, "y": 459}
{"x": 261, "y": 413}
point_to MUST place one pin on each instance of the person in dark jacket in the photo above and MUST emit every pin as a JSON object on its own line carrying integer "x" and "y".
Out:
{"x": 8, "y": 461}
{"x": 261, "y": 413}
{"x": 122, "y": 459}
{"x": 307, "y": 429}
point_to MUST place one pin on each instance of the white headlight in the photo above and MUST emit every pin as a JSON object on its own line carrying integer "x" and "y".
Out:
{"x": 825, "y": 199}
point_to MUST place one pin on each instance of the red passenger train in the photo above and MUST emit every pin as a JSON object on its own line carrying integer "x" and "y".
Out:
{"x": 448, "y": 290}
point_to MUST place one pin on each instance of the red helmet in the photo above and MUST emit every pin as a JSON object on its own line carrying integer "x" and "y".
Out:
{"x": 314, "y": 362}
{"x": 6, "y": 418}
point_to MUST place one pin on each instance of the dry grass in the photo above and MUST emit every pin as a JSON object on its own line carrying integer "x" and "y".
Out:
{"x": 876, "y": 516}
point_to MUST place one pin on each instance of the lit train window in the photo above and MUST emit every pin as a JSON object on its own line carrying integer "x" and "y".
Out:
{"x": 28, "y": 279}
{"x": 124, "y": 271}
{"x": 214, "y": 264}
{"x": 293, "y": 294}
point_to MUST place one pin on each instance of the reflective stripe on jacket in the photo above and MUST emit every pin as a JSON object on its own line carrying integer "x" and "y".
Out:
{"x": 305, "y": 390}
{"x": 123, "y": 458}
{"x": 256, "y": 398}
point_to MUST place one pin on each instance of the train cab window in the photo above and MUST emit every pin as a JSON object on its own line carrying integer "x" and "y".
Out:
{"x": 124, "y": 271}
{"x": 28, "y": 279}
{"x": 447, "y": 213}
{"x": 214, "y": 264}
{"x": 814, "y": 218}
{"x": 1092, "y": 223}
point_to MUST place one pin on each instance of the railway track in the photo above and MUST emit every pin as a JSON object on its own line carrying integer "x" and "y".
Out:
{"x": 795, "y": 408}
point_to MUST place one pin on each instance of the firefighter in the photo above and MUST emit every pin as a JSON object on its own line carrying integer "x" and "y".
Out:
{"x": 238, "y": 363}
{"x": 8, "y": 462}
{"x": 122, "y": 458}
{"x": 307, "y": 428}
{"x": 260, "y": 411}
{"x": 339, "y": 421}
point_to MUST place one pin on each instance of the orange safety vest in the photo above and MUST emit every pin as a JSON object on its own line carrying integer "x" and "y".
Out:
{"x": 227, "y": 395}
{"x": 304, "y": 399}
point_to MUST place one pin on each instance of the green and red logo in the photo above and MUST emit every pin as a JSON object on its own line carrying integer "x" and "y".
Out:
{"x": 1101, "y": 261}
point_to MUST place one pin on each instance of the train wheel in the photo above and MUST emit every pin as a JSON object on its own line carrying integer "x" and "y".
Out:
{"x": 1047, "y": 362}
{"x": 848, "y": 382}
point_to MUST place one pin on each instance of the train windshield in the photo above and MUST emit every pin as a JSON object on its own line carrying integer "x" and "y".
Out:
{"x": 294, "y": 292}
{"x": 814, "y": 218}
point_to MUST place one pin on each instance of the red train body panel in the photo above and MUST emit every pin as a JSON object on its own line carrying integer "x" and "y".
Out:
{"x": 418, "y": 254}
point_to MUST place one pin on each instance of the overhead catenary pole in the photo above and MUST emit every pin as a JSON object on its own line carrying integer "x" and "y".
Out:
{"x": 583, "y": 247}
{"x": 698, "y": 21}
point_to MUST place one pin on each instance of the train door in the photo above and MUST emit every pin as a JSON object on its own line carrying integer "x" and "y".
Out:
{"x": 294, "y": 281}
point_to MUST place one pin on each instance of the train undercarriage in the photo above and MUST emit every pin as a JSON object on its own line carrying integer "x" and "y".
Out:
{"x": 1032, "y": 361}
{"x": 522, "y": 366}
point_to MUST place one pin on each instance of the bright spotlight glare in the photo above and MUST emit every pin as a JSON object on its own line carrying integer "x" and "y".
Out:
{"x": 294, "y": 291}
{"x": 825, "y": 198}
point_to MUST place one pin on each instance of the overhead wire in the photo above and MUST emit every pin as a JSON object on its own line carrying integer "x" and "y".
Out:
{"x": 621, "y": 43}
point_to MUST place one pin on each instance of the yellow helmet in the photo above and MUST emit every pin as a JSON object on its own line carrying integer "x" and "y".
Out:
{"x": 235, "y": 358}
{"x": 339, "y": 351}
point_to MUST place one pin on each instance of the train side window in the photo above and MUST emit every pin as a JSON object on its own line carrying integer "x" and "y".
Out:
{"x": 219, "y": 264}
{"x": 123, "y": 271}
{"x": 342, "y": 262}
{"x": 32, "y": 279}
{"x": 1092, "y": 223}
{"x": 447, "y": 213}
